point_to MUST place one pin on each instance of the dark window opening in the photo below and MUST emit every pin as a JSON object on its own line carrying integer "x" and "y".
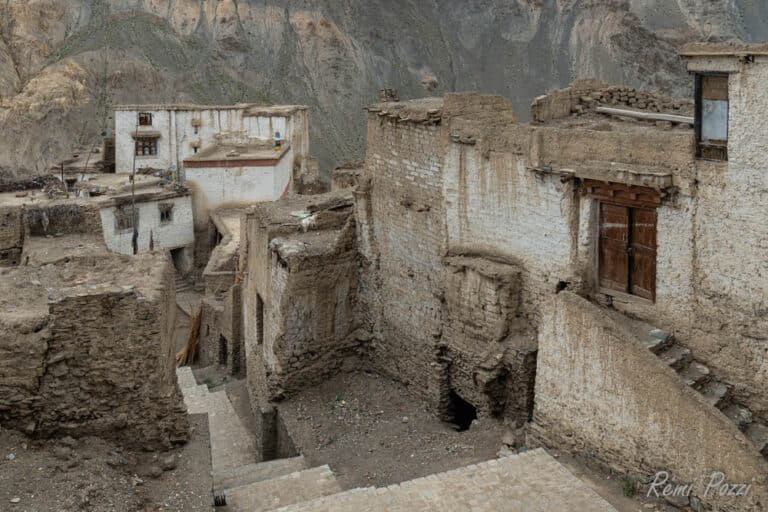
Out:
{"x": 145, "y": 119}
{"x": 627, "y": 249}
{"x": 146, "y": 146}
{"x": 236, "y": 355}
{"x": 223, "y": 351}
{"x": 195, "y": 149}
{"x": 166, "y": 212}
{"x": 259, "y": 320}
{"x": 126, "y": 218}
{"x": 711, "y": 121}
{"x": 461, "y": 412}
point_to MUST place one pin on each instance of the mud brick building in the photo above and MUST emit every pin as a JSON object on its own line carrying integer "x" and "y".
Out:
{"x": 87, "y": 349}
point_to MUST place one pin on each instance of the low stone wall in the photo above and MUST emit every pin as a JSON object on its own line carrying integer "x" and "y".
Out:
{"x": 600, "y": 392}
{"x": 585, "y": 95}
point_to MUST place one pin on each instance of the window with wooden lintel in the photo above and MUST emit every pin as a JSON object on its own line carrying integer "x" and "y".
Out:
{"x": 146, "y": 146}
{"x": 626, "y": 252}
{"x": 712, "y": 116}
{"x": 166, "y": 212}
{"x": 126, "y": 218}
{"x": 145, "y": 119}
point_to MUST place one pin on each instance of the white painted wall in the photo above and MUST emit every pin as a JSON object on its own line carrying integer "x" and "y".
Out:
{"x": 177, "y": 233}
{"x": 178, "y": 136}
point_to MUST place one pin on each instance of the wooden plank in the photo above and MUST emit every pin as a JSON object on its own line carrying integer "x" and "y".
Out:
{"x": 627, "y": 195}
{"x": 648, "y": 116}
{"x": 714, "y": 87}
{"x": 643, "y": 253}
{"x": 613, "y": 264}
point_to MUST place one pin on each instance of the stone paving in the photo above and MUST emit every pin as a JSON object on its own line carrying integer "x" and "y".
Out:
{"x": 528, "y": 482}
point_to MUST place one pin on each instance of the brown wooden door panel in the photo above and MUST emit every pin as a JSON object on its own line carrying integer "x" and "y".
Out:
{"x": 613, "y": 261}
{"x": 643, "y": 253}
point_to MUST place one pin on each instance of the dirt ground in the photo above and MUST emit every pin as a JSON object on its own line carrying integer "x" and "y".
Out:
{"x": 91, "y": 474}
{"x": 373, "y": 432}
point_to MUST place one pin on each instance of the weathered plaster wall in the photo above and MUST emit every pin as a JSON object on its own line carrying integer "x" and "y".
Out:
{"x": 96, "y": 358}
{"x": 175, "y": 234}
{"x": 497, "y": 207}
{"x": 406, "y": 223}
{"x": 598, "y": 390}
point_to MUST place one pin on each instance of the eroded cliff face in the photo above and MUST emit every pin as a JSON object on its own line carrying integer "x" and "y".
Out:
{"x": 65, "y": 63}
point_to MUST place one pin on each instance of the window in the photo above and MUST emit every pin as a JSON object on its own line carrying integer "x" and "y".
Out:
{"x": 166, "y": 213}
{"x": 146, "y": 146}
{"x": 126, "y": 219}
{"x": 145, "y": 119}
{"x": 627, "y": 249}
{"x": 712, "y": 116}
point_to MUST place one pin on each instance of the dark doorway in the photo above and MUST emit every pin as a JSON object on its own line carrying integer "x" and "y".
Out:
{"x": 223, "y": 351}
{"x": 461, "y": 412}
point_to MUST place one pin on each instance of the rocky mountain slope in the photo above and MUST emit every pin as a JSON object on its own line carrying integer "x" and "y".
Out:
{"x": 65, "y": 63}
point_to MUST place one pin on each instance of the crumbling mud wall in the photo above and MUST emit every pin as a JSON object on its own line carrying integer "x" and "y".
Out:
{"x": 299, "y": 293}
{"x": 89, "y": 351}
{"x": 600, "y": 391}
{"x": 488, "y": 351}
{"x": 221, "y": 340}
{"x": 585, "y": 95}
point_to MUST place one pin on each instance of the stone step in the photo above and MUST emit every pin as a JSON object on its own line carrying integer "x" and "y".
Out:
{"x": 527, "y": 481}
{"x": 297, "y": 487}
{"x": 715, "y": 392}
{"x": 741, "y": 416}
{"x": 758, "y": 434}
{"x": 251, "y": 473}
{"x": 656, "y": 340}
{"x": 676, "y": 356}
{"x": 696, "y": 374}
{"x": 185, "y": 378}
{"x": 231, "y": 443}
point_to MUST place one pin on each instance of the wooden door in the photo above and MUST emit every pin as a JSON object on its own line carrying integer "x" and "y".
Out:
{"x": 613, "y": 264}
{"x": 642, "y": 253}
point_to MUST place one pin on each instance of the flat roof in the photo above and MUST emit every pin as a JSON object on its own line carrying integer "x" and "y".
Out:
{"x": 251, "y": 109}
{"x": 259, "y": 155}
{"x": 724, "y": 49}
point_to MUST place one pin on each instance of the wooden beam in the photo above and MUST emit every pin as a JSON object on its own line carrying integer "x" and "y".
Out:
{"x": 648, "y": 116}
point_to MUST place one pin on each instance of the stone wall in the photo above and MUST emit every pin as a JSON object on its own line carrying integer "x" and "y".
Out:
{"x": 221, "y": 340}
{"x": 600, "y": 391}
{"x": 89, "y": 350}
{"x": 11, "y": 235}
{"x": 403, "y": 267}
{"x": 585, "y": 95}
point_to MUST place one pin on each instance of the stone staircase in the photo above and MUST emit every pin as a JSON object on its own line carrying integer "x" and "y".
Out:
{"x": 700, "y": 377}
{"x": 531, "y": 481}
{"x": 240, "y": 482}
{"x": 182, "y": 285}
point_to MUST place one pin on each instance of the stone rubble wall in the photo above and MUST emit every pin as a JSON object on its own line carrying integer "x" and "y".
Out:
{"x": 11, "y": 235}
{"x": 600, "y": 391}
{"x": 585, "y": 95}
{"x": 98, "y": 364}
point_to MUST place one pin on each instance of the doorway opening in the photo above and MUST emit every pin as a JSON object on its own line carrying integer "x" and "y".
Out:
{"x": 461, "y": 412}
{"x": 223, "y": 351}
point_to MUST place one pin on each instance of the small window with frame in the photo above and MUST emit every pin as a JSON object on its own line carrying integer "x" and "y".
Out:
{"x": 166, "y": 213}
{"x": 146, "y": 146}
{"x": 712, "y": 116}
{"x": 126, "y": 219}
{"x": 145, "y": 119}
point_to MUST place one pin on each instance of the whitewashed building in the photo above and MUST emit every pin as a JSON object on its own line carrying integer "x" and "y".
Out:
{"x": 227, "y": 154}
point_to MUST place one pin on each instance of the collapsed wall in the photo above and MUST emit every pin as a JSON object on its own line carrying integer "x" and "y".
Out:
{"x": 87, "y": 349}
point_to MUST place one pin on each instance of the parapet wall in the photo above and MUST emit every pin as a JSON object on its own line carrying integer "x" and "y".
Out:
{"x": 598, "y": 390}
{"x": 585, "y": 95}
